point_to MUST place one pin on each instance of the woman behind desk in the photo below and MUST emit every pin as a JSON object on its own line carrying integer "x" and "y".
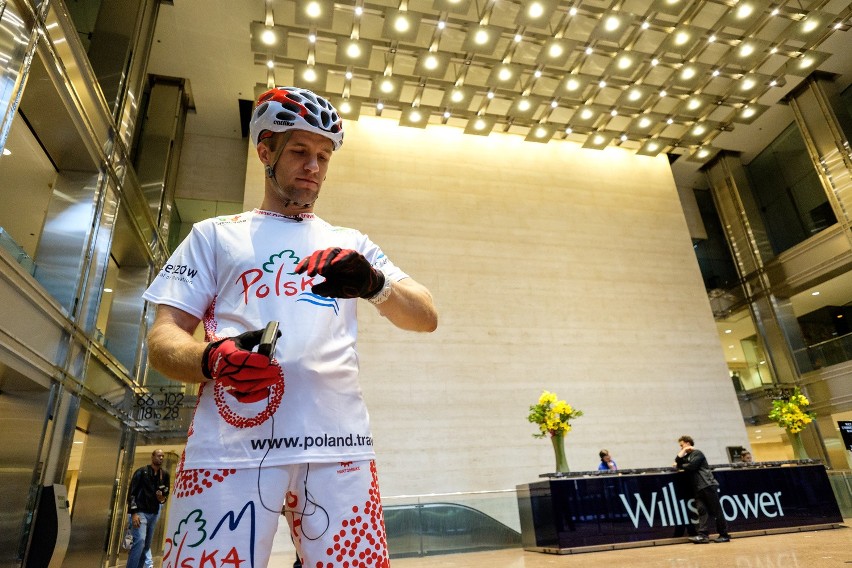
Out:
{"x": 607, "y": 463}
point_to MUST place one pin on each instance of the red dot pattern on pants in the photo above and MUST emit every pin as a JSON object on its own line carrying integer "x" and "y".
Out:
{"x": 361, "y": 541}
{"x": 194, "y": 481}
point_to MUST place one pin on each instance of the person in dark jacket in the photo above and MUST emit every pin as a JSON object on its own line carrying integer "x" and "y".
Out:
{"x": 693, "y": 462}
{"x": 149, "y": 488}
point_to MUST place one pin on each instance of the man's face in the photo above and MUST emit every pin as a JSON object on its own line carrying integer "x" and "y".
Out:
{"x": 301, "y": 168}
{"x": 683, "y": 444}
{"x": 157, "y": 458}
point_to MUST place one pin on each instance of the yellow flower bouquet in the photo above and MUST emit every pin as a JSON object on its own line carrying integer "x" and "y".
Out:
{"x": 554, "y": 418}
{"x": 790, "y": 412}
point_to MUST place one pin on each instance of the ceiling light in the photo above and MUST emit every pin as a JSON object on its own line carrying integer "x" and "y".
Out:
{"x": 268, "y": 37}
{"x": 702, "y": 153}
{"x": 730, "y": 331}
{"x": 612, "y": 23}
{"x": 645, "y": 25}
{"x": 457, "y": 96}
{"x": 573, "y": 11}
{"x": 353, "y": 52}
{"x": 589, "y": 51}
{"x": 624, "y": 137}
{"x": 348, "y": 75}
{"x": 699, "y": 130}
{"x": 312, "y": 38}
{"x": 624, "y": 62}
{"x": 503, "y": 75}
{"x": 655, "y": 62}
{"x": 479, "y": 125}
{"x": 644, "y": 122}
{"x": 555, "y": 50}
{"x": 748, "y": 112}
{"x": 602, "y": 84}
{"x": 313, "y": 10}
{"x": 598, "y": 140}
{"x": 809, "y": 25}
{"x": 442, "y": 24}
{"x": 745, "y": 50}
{"x": 447, "y": 114}
{"x": 518, "y": 38}
{"x": 401, "y": 24}
{"x": 537, "y": 74}
{"x": 541, "y": 133}
{"x": 587, "y": 113}
{"x": 635, "y": 95}
{"x": 359, "y": 10}
{"x": 748, "y": 84}
{"x": 711, "y": 39}
{"x": 569, "y": 130}
{"x": 572, "y": 84}
{"x": 480, "y": 39}
{"x": 554, "y": 104}
{"x": 663, "y": 94}
{"x": 774, "y": 12}
{"x": 715, "y": 72}
{"x": 490, "y": 94}
{"x": 414, "y": 116}
{"x": 270, "y": 64}
{"x": 524, "y": 105}
{"x": 687, "y": 73}
{"x": 535, "y": 10}
{"x": 380, "y": 106}
{"x": 773, "y": 82}
{"x": 670, "y": 121}
{"x": 744, "y": 11}
{"x": 431, "y": 62}
{"x": 693, "y": 104}
{"x": 386, "y": 87}
{"x": 814, "y": 293}
{"x": 613, "y": 112}
{"x": 7, "y": 152}
{"x": 348, "y": 108}
{"x": 681, "y": 38}
{"x": 653, "y": 146}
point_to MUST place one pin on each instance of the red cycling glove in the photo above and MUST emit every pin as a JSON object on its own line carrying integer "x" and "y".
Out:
{"x": 347, "y": 274}
{"x": 245, "y": 374}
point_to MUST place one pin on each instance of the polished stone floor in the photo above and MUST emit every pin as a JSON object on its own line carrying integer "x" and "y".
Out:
{"x": 818, "y": 549}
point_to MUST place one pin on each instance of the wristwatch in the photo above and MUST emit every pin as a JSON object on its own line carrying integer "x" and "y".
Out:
{"x": 383, "y": 294}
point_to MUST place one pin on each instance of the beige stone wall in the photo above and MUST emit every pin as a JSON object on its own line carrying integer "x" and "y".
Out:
{"x": 553, "y": 267}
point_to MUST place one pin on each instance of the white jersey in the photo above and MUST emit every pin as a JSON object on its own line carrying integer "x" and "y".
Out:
{"x": 236, "y": 274}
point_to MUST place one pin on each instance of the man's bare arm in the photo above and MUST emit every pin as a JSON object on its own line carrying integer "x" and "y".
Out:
{"x": 410, "y": 307}
{"x": 172, "y": 349}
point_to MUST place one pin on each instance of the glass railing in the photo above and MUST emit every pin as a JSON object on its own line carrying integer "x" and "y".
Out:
{"x": 8, "y": 243}
{"x": 420, "y": 525}
{"x": 832, "y": 352}
{"x": 841, "y": 483}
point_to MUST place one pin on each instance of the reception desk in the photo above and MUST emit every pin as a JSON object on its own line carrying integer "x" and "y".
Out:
{"x": 581, "y": 513}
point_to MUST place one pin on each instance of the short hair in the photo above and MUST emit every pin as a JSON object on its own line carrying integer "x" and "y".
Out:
{"x": 687, "y": 439}
{"x": 603, "y": 453}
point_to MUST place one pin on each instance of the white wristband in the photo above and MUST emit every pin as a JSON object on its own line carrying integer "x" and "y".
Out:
{"x": 383, "y": 294}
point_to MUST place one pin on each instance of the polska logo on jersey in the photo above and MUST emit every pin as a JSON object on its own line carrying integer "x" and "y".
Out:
{"x": 276, "y": 278}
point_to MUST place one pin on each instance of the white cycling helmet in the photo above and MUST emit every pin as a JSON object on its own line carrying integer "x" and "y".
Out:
{"x": 291, "y": 108}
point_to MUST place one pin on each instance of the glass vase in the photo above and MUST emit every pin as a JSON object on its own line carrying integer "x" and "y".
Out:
{"x": 799, "y": 452}
{"x": 558, "y": 441}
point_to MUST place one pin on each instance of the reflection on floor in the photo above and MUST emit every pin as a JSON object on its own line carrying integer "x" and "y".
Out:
{"x": 823, "y": 549}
